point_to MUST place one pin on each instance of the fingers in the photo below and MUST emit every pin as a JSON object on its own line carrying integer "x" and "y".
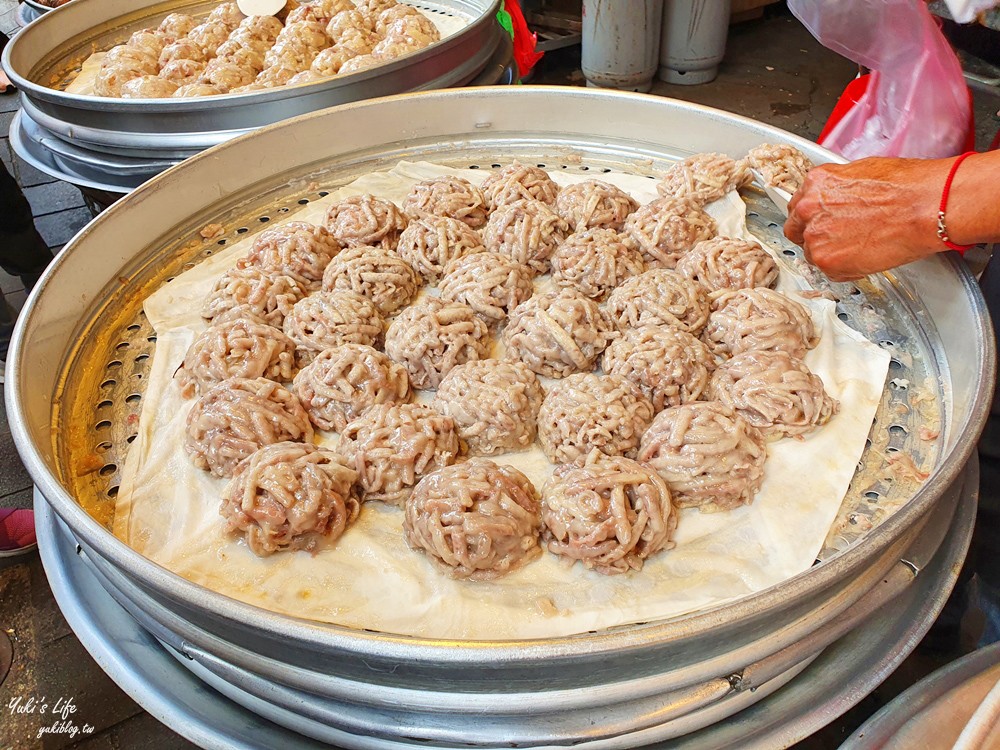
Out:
{"x": 795, "y": 226}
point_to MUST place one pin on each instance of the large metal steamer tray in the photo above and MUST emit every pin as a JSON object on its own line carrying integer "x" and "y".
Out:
{"x": 44, "y": 55}
{"x": 80, "y": 358}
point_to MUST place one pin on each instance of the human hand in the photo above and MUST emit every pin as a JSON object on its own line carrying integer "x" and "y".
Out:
{"x": 867, "y": 216}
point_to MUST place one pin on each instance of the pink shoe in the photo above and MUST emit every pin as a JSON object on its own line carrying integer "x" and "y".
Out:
{"x": 17, "y": 531}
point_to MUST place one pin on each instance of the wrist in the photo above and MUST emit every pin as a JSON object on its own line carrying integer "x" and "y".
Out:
{"x": 943, "y": 231}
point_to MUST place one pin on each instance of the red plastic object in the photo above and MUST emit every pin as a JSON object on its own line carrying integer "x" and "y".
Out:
{"x": 525, "y": 40}
{"x": 857, "y": 88}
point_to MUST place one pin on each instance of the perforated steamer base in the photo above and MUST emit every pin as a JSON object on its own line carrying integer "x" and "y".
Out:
{"x": 105, "y": 378}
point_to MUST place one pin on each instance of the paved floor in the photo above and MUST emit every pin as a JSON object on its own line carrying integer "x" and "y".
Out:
{"x": 774, "y": 72}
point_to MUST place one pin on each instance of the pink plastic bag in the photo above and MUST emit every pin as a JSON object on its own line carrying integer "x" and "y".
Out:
{"x": 917, "y": 103}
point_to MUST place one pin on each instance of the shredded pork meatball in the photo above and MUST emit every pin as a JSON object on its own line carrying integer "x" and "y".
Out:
{"x": 669, "y": 366}
{"x": 238, "y": 348}
{"x": 586, "y": 412}
{"x": 182, "y": 49}
{"x": 327, "y": 9}
{"x": 659, "y": 297}
{"x": 148, "y": 41}
{"x": 611, "y": 513}
{"x": 359, "y": 63}
{"x": 241, "y": 42}
{"x": 366, "y": 220}
{"x": 269, "y": 296}
{"x": 226, "y": 75}
{"x": 185, "y": 73}
{"x": 594, "y": 204}
{"x": 310, "y": 34}
{"x": 557, "y": 333}
{"x": 133, "y": 57}
{"x": 432, "y": 337}
{"x": 148, "y": 87}
{"x": 392, "y": 445}
{"x": 527, "y": 231}
{"x": 349, "y": 22}
{"x": 228, "y": 14}
{"x": 595, "y": 261}
{"x": 111, "y": 78}
{"x": 489, "y": 283}
{"x": 326, "y": 319}
{"x": 306, "y": 76}
{"x": 704, "y": 178}
{"x": 306, "y": 13}
{"x": 666, "y": 229}
{"x": 475, "y": 520}
{"x": 494, "y": 405}
{"x": 243, "y": 55}
{"x": 780, "y": 165}
{"x": 373, "y": 8}
{"x": 196, "y": 89}
{"x": 376, "y": 273}
{"x": 237, "y": 417}
{"x": 517, "y": 182}
{"x": 329, "y": 61}
{"x": 389, "y": 15}
{"x": 758, "y": 319}
{"x": 409, "y": 33}
{"x": 264, "y": 28}
{"x": 728, "y": 263}
{"x": 344, "y": 381}
{"x": 289, "y": 496}
{"x": 177, "y": 25}
{"x": 430, "y": 243}
{"x": 210, "y": 35}
{"x": 297, "y": 249}
{"x": 710, "y": 457}
{"x": 774, "y": 392}
{"x": 447, "y": 196}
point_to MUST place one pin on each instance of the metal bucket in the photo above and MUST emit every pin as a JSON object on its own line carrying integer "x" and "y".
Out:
{"x": 88, "y": 345}
{"x": 620, "y": 43}
{"x": 693, "y": 42}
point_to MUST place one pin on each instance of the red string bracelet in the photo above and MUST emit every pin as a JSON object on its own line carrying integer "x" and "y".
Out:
{"x": 942, "y": 229}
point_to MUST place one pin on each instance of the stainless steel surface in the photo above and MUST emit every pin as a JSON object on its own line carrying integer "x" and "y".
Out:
{"x": 43, "y": 54}
{"x": 155, "y": 677}
{"x": 89, "y": 344}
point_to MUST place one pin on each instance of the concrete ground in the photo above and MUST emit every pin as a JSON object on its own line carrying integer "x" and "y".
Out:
{"x": 774, "y": 71}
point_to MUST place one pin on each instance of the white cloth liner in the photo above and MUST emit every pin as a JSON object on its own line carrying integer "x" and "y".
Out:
{"x": 83, "y": 83}
{"x": 168, "y": 510}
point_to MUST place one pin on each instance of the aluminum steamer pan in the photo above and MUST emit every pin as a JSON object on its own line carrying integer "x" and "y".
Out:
{"x": 81, "y": 352}
{"x": 43, "y": 53}
{"x": 116, "y": 175}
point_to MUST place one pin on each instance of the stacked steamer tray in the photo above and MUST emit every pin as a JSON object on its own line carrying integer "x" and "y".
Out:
{"x": 81, "y": 357}
{"x": 109, "y": 146}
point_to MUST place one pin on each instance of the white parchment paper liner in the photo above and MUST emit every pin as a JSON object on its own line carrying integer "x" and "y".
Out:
{"x": 168, "y": 510}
